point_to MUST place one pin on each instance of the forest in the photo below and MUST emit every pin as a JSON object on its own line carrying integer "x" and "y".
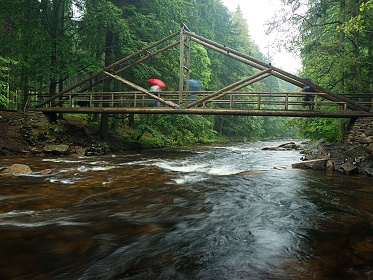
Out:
{"x": 48, "y": 44}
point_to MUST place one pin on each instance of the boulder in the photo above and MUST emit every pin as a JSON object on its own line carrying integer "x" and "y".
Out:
{"x": 368, "y": 171}
{"x": 368, "y": 132}
{"x": 78, "y": 151}
{"x": 370, "y": 139}
{"x": 57, "y": 149}
{"x": 315, "y": 164}
{"x": 46, "y": 171}
{"x": 348, "y": 168}
{"x": 362, "y": 139}
{"x": 370, "y": 148}
{"x": 289, "y": 146}
{"x": 283, "y": 147}
{"x": 19, "y": 169}
{"x": 330, "y": 164}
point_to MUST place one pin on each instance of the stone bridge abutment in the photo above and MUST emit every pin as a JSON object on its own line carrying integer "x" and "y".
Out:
{"x": 360, "y": 132}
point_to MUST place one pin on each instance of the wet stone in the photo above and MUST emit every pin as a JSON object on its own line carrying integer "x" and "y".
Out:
{"x": 19, "y": 169}
{"x": 57, "y": 149}
{"x": 348, "y": 168}
{"x": 316, "y": 164}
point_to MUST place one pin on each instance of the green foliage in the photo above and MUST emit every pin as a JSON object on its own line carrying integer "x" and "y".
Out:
{"x": 180, "y": 129}
{"x": 200, "y": 64}
{"x": 276, "y": 128}
{"x": 316, "y": 128}
{"x": 55, "y": 49}
{"x": 5, "y": 91}
{"x": 335, "y": 40}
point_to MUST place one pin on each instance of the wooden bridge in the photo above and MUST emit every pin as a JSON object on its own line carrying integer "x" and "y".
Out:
{"x": 82, "y": 97}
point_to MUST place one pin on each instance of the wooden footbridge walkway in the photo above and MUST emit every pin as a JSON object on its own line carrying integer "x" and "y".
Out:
{"x": 82, "y": 97}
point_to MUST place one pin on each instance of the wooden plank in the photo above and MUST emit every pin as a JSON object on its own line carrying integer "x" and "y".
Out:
{"x": 204, "y": 111}
{"x": 108, "y": 68}
{"x": 181, "y": 62}
{"x": 227, "y": 88}
{"x": 276, "y": 71}
{"x": 153, "y": 96}
{"x": 260, "y": 76}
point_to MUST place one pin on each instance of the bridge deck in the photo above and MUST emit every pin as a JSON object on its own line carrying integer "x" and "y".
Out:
{"x": 231, "y": 103}
{"x": 200, "y": 111}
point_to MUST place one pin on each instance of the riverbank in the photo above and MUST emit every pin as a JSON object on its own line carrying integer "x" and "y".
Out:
{"x": 347, "y": 159}
{"x": 31, "y": 133}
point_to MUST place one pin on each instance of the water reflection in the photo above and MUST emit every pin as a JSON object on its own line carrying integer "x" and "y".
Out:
{"x": 219, "y": 212}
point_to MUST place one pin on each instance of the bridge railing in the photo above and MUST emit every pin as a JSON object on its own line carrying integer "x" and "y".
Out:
{"x": 365, "y": 99}
{"x": 231, "y": 100}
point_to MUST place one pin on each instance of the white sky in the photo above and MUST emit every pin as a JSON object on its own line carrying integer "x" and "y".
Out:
{"x": 256, "y": 13}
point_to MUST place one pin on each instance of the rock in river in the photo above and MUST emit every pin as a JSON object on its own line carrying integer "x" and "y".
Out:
{"x": 316, "y": 164}
{"x": 19, "y": 169}
{"x": 57, "y": 149}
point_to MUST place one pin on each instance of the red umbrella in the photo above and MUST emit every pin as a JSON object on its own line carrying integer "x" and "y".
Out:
{"x": 157, "y": 82}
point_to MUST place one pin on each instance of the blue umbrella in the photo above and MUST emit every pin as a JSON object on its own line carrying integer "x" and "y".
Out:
{"x": 307, "y": 88}
{"x": 193, "y": 84}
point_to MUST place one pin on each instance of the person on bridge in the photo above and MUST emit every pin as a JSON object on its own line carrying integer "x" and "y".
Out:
{"x": 308, "y": 98}
{"x": 194, "y": 85}
{"x": 156, "y": 87}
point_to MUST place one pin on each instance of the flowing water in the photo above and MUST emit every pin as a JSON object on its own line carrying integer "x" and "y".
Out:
{"x": 216, "y": 212}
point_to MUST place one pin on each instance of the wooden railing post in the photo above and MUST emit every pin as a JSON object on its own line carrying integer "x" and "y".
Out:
{"x": 181, "y": 61}
{"x": 286, "y": 101}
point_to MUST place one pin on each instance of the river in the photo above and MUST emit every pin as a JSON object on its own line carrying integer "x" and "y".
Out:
{"x": 205, "y": 212}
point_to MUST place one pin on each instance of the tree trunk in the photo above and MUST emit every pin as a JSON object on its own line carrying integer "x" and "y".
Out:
{"x": 341, "y": 85}
{"x": 56, "y": 30}
{"x": 104, "y": 122}
{"x": 24, "y": 75}
{"x": 131, "y": 120}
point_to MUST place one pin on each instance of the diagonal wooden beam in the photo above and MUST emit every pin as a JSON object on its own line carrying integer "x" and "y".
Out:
{"x": 118, "y": 78}
{"x": 118, "y": 71}
{"x": 223, "y": 92}
{"x": 91, "y": 77}
{"x": 277, "y": 72}
{"x": 263, "y": 76}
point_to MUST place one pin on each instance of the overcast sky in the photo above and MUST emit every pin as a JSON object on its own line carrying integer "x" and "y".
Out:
{"x": 257, "y": 12}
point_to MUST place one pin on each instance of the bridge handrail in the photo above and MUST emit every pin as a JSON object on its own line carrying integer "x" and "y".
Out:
{"x": 233, "y": 99}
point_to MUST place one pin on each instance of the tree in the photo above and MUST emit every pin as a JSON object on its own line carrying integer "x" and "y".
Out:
{"x": 334, "y": 50}
{"x": 58, "y": 42}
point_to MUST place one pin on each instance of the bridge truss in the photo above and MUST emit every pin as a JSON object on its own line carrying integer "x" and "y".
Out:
{"x": 83, "y": 96}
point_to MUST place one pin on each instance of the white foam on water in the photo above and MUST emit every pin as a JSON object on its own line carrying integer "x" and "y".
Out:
{"x": 61, "y": 160}
{"x": 180, "y": 167}
{"x": 84, "y": 168}
{"x": 98, "y": 162}
{"x": 239, "y": 149}
{"x": 222, "y": 170}
{"x": 189, "y": 178}
{"x": 63, "y": 181}
{"x": 102, "y": 168}
{"x": 15, "y": 213}
{"x": 5, "y": 197}
{"x": 23, "y": 224}
{"x": 40, "y": 224}
{"x": 188, "y": 167}
{"x": 140, "y": 162}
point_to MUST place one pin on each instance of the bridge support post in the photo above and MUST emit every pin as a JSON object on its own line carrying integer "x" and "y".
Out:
{"x": 184, "y": 62}
{"x": 181, "y": 61}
